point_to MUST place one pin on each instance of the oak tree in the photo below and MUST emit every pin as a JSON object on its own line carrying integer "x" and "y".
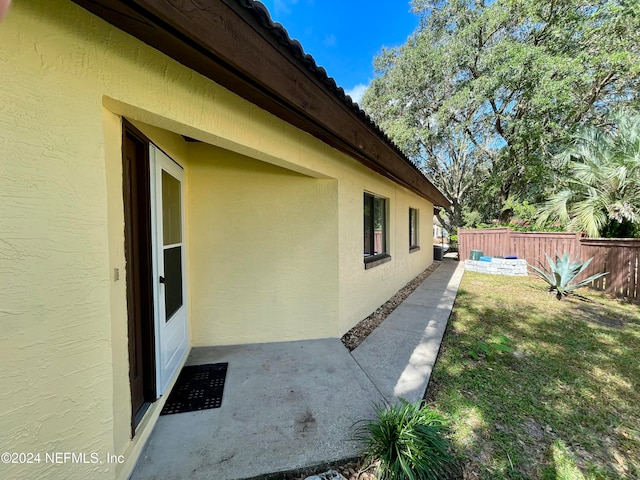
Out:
{"x": 485, "y": 92}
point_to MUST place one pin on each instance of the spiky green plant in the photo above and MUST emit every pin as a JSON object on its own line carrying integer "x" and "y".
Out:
{"x": 562, "y": 274}
{"x": 407, "y": 442}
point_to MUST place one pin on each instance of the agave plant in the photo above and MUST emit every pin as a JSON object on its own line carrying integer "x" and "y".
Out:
{"x": 562, "y": 274}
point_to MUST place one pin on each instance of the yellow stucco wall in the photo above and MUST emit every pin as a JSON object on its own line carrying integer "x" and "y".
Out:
{"x": 273, "y": 229}
{"x": 56, "y": 390}
{"x": 362, "y": 291}
{"x": 263, "y": 251}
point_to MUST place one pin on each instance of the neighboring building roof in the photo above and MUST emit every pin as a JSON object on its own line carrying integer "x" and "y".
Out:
{"x": 237, "y": 45}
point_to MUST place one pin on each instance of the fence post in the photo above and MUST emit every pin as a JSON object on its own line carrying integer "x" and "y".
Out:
{"x": 578, "y": 245}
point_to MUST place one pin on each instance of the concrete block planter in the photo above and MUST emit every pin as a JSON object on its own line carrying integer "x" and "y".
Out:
{"x": 498, "y": 266}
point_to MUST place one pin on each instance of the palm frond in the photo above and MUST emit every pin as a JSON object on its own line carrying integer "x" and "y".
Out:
{"x": 604, "y": 177}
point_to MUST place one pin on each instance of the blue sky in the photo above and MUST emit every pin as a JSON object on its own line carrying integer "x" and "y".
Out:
{"x": 345, "y": 36}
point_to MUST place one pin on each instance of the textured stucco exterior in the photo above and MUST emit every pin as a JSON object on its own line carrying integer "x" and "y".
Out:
{"x": 273, "y": 229}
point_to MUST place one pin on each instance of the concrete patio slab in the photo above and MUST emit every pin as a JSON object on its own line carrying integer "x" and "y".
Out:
{"x": 285, "y": 406}
{"x": 293, "y": 405}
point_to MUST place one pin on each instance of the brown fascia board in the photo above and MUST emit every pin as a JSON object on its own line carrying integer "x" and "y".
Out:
{"x": 235, "y": 44}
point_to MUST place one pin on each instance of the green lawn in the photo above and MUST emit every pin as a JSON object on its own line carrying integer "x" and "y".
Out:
{"x": 564, "y": 405}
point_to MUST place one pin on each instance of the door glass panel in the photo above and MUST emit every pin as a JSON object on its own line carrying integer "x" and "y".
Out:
{"x": 173, "y": 280}
{"x": 172, "y": 237}
{"x": 171, "y": 221}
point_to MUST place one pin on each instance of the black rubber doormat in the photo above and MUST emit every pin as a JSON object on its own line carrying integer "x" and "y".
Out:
{"x": 199, "y": 387}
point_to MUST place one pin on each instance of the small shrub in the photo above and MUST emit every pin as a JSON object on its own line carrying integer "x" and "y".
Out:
{"x": 562, "y": 274}
{"x": 408, "y": 443}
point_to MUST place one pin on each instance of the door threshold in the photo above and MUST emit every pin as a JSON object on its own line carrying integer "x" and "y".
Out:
{"x": 140, "y": 414}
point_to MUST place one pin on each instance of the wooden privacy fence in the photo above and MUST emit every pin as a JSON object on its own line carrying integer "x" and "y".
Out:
{"x": 619, "y": 257}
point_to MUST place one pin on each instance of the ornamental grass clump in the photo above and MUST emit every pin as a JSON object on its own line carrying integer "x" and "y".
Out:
{"x": 562, "y": 275}
{"x": 407, "y": 442}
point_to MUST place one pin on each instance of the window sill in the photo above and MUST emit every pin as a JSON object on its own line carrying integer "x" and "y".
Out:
{"x": 414, "y": 249}
{"x": 376, "y": 260}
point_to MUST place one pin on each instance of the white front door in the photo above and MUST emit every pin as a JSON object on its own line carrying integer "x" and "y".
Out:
{"x": 169, "y": 266}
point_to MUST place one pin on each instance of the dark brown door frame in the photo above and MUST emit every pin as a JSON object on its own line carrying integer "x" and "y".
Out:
{"x": 136, "y": 188}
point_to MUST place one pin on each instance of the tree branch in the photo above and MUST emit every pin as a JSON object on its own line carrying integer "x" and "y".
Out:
{"x": 593, "y": 96}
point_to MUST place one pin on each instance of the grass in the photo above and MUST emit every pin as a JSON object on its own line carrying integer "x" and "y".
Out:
{"x": 565, "y": 404}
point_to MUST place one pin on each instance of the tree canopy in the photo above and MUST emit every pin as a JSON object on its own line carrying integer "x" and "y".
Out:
{"x": 485, "y": 92}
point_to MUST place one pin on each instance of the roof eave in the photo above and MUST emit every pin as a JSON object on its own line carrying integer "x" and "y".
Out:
{"x": 235, "y": 44}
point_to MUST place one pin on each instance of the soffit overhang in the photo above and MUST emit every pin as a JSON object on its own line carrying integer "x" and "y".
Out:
{"x": 235, "y": 44}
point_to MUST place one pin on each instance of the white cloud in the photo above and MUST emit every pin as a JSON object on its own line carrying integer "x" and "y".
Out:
{"x": 330, "y": 40}
{"x": 357, "y": 92}
{"x": 283, "y": 6}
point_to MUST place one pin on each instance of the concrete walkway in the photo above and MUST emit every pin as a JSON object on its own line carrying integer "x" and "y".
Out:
{"x": 293, "y": 405}
{"x": 399, "y": 355}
